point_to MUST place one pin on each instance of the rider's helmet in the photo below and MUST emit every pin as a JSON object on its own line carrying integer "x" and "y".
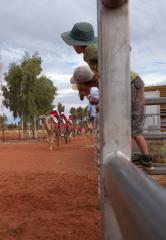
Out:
{"x": 62, "y": 112}
{"x": 54, "y": 109}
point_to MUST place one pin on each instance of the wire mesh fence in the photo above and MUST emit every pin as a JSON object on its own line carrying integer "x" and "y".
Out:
{"x": 39, "y": 134}
{"x": 19, "y": 135}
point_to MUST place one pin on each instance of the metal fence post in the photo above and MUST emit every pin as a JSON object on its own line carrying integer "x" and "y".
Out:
{"x": 115, "y": 100}
{"x": 3, "y": 134}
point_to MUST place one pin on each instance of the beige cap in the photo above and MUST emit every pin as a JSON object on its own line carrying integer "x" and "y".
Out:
{"x": 74, "y": 86}
{"x": 82, "y": 74}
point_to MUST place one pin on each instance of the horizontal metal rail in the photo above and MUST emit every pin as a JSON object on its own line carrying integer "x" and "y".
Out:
{"x": 153, "y": 129}
{"x": 155, "y": 136}
{"x": 155, "y": 101}
{"x": 138, "y": 203}
{"x": 154, "y": 114}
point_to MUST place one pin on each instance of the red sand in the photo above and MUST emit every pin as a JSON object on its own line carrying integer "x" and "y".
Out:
{"x": 48, "y": 195}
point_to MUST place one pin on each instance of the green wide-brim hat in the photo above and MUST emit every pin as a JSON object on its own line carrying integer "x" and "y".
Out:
{"x": 82, "y": 34}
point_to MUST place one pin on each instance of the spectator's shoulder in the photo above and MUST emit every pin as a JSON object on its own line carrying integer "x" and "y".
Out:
{"x": 91, "y": 57}
{"x": 91, "y": 53}
{"x": 133, "y": 75}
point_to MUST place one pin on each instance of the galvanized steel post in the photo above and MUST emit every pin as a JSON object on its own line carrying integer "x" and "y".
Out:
{"x": 115, "y": 100}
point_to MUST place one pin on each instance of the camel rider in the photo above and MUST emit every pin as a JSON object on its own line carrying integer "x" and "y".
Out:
{"x": 54, "y": 115}
{"x": 71, "y": 119}
{"x": 63, "y": 118}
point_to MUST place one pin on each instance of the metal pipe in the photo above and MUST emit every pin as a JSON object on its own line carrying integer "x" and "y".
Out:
{"x": 154, "y": 114}
{"x": 155, "y": 136}
{"x": 136, "y": 200}
{"x": 155, "y": 101}
{"x": 113, "y": 3}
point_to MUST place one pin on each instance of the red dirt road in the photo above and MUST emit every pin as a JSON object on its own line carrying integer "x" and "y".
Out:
{"x": 48, "y": 195}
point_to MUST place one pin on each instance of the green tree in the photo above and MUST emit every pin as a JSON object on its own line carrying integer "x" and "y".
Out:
{"x": 45, "y": 93}
{"x": 12, "y": 92}
{"x": 31, "y": 69}
{"x": 3, "y": 120}
{"x": 61, "y": 108}
{"x": 28, "y": 94}
{"x": 73, "y": 111}
{"x": 79, "y": 113}
{"x": 12, "y": 126}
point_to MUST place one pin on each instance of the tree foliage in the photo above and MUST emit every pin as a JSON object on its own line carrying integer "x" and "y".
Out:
{"x": 61, "y": 108}
{"x": 27, "y": 93}
{"x": 12, "y": 93}
{"x": 79, "y": 113}
{"x": 12, "y": 126}
{"x": 3, "y": 119}
{"x": 45, "y": 92}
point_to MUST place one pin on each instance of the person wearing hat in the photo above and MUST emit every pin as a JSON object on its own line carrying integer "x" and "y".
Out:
{"x": 84, "y": 75}
{"x": 54, "y": 115}
{"x": 86, "y": 84}
{"x": 84, "y": 79}
{"x": 71, "y": 119}
{"x": 63, "y": 118}
{"x": 83, "y": 40}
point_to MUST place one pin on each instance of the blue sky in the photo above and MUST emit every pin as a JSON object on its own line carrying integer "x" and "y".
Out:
{"x": 28, "y": 25}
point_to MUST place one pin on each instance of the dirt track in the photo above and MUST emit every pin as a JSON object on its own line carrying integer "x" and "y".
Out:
{"x": 48, "y": 195}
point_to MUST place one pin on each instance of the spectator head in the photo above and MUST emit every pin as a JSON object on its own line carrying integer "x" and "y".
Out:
{"x": 84, "y": 90}
{"x": 82, "y": 75}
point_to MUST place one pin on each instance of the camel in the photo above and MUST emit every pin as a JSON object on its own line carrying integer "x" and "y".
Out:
{"x": 55, "y": 130}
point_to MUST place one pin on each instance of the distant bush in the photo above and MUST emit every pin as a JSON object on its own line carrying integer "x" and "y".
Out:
{"x": 12, "y": 126}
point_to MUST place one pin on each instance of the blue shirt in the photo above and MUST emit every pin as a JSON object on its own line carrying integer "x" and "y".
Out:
{"x": 91, "y": 109}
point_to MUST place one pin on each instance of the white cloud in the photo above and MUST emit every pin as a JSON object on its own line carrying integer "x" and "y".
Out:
{"x": 67, "y": 91}
{"x": 148, "y": 34}
{"x": 154, "y": 79}
{"x": 58, "y": 77}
